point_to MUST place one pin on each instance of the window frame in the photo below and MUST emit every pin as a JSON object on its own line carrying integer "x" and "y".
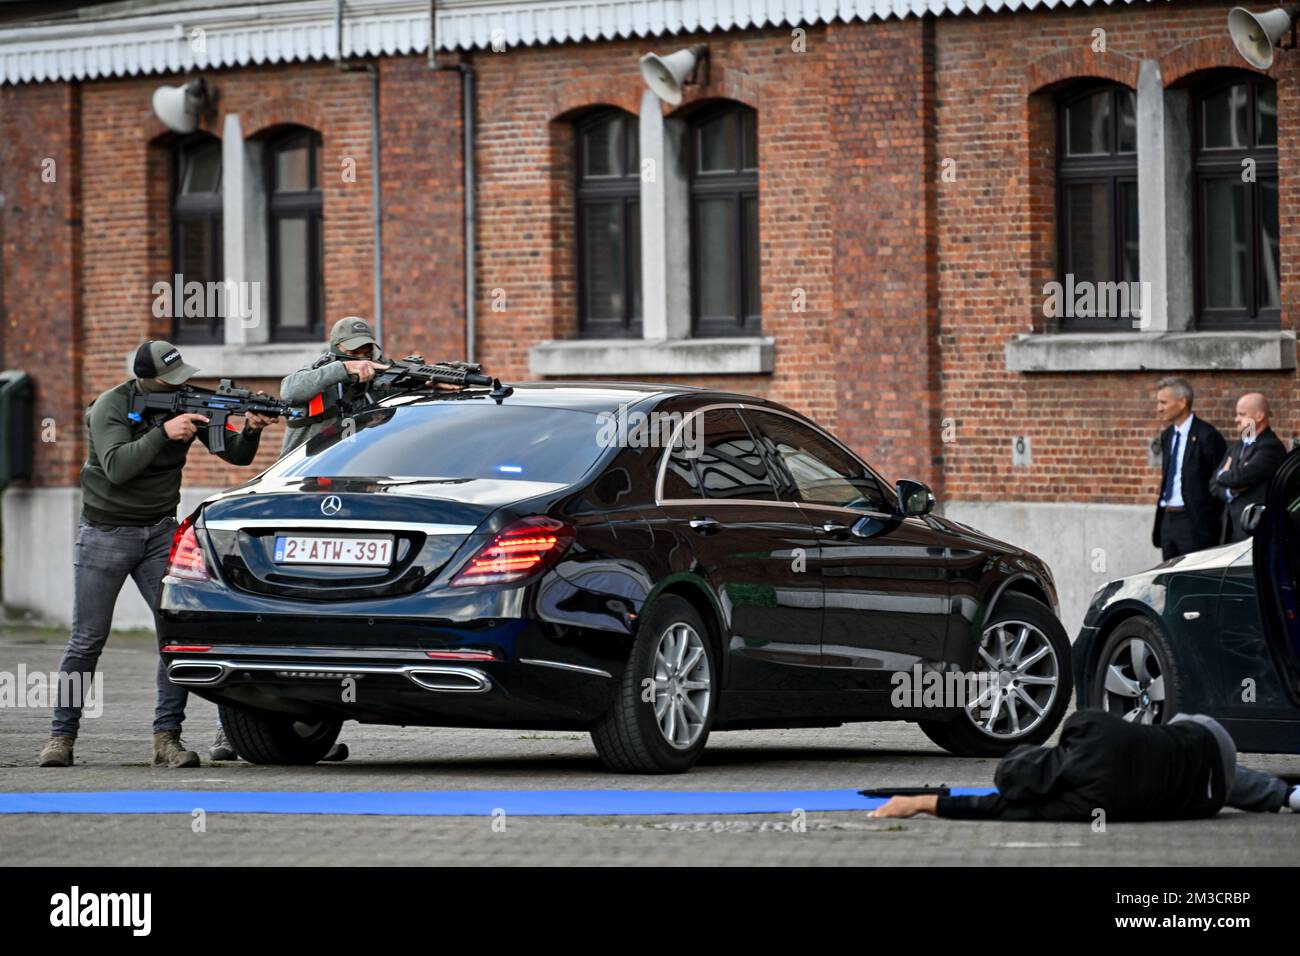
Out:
{"x": 624, "y": 189}
{"x": 307, "y": 205}
{"x": 753, "y": 425}
{"x": 1224, "y": 163}
{"x": 759, "y": 451}
{"x": 197, "y": 207}
{"x": 787, "y": 486}
{"x": 740, "y": 185}
{"x": 1113, "y": 170}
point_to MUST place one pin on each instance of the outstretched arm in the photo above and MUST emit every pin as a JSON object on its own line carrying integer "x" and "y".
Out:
{"x": 907, "y": 806}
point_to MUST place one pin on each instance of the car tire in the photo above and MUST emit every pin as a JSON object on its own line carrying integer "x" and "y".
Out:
{"x": 1137, "y": 664}
{"x": 633, "y": 735}
{"x": 266, "y": 738}
{"x": 1015, "y": 614}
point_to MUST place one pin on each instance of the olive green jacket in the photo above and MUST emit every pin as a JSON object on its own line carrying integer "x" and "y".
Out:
{"x": 132, "y": 474}
{"x": 328, "y": 378}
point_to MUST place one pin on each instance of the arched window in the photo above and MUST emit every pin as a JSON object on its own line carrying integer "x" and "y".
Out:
{"x": 297, "y": 265}
{"x": 1235, "y": 158}
{"x": 609, "y": 225}
{"x": 1097, "y": 201}
{"x": 724, "y": 221}
{"x": 196, "y": 230}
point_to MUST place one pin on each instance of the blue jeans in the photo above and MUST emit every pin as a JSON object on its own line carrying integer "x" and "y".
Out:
{"x": 104, "y": 559}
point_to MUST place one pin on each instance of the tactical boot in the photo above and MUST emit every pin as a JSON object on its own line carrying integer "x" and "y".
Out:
{"x": 58, "y": 752}
{"x": 221, "y": 749}
{"x": 168, "y": 751}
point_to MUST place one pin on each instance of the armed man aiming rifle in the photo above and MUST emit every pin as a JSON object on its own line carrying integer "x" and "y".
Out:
{"x": 214, "y": 405}
{"x": 353, "y": 374}
{"x": 140, "y": 436}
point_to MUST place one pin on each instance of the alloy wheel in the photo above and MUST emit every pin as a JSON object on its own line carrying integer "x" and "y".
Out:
{"x": 683, "y": 685}
{"x": 1134, "y": 684}
{"x": 1019, "y": 683}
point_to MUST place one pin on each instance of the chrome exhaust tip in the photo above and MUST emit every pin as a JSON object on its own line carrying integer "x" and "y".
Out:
{"x": 196, "y": 672}
{"x": 455, "y": 680}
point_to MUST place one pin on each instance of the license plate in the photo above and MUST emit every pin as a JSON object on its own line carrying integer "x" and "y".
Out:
{"x": 316, "y": 549}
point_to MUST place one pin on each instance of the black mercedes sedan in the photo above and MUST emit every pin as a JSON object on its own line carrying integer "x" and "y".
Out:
{"x": 1212, "y": 632}
{"x": 647, "y": 563}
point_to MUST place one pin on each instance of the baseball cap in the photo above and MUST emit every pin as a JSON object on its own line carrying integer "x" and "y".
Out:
{"x": 352, "y": 333}
{"x": 159, "y": 359}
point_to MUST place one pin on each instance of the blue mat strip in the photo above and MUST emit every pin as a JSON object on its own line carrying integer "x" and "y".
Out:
{"x": 440, "y": 803}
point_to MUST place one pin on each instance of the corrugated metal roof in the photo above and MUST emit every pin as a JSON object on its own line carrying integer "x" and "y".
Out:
{"x": 177, "y": 36}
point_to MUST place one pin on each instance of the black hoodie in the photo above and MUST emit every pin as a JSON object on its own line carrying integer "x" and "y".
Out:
{"x": 1131, "y": 771}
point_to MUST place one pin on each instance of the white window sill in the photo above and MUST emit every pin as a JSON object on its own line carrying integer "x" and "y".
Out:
{"x": 247, "y": 361}
{"x": 1152, "y": 351}
{"x": 587, "y": 357}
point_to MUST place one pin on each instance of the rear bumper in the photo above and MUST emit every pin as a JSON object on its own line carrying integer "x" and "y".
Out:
{"x": 213, "y": 672}
{"x": 395, "y": 686}
{"x": 554, "y": 653}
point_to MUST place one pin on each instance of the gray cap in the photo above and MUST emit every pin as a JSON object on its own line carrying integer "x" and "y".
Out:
{"x": 352, "y": 332}
{"x": 159, "y": 359}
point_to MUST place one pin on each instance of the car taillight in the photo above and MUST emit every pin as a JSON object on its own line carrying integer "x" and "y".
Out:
{"x": 520, "y": 551}
{"x": 186, "y": 557}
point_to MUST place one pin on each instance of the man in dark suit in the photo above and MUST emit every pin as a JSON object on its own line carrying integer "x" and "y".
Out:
{"x": 1242, "y": 479}
{"x": 1188, "y": 517}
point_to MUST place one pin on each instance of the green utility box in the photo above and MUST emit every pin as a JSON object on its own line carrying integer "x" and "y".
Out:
{"x": 16, "y": 438}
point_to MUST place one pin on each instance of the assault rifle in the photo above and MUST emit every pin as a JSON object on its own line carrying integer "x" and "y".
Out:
{"x": 217, "y": 405}
{"x": 413, "y": 372}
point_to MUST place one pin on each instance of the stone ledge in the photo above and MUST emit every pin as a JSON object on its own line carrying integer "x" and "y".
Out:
{"x": 1152, "y": 351}
{"x": 588, "y": 357}
{"x": 247, "y": 361}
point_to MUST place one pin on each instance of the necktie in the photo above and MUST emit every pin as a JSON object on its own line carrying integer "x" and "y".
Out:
{"x": 1172, "y": 470}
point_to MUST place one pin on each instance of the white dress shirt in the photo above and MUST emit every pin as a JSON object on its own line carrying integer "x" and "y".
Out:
{"x": 1183, "y": 431}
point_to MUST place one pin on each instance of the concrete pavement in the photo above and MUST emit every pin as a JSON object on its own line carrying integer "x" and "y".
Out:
{"x": 114, "y": 750}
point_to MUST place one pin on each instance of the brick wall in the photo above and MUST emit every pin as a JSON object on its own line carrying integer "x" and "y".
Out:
{"x": 40, "y": 177}
{"x": 421, "y": 175}
{"x": 885, "y": 320}
{"x": 996, "y": 237}
{"x": 912, "y": 286}
{"x": 527, "y": 101}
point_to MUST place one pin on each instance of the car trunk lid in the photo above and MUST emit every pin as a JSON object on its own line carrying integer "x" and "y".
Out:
{"x": 416, "y": 526}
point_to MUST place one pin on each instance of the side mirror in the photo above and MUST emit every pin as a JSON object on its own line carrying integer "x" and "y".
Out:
{"x": 1251, "y": 517}
{"x": 914, "y": 498}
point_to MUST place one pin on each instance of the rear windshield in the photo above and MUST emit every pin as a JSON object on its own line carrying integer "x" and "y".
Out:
{"x": 452, "y": 439}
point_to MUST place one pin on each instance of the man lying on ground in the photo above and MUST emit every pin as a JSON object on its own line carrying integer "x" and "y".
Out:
{"x": 1177, "y": 771}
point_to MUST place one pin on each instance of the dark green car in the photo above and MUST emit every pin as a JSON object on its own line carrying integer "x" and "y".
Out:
{"x": 1214, "y": 632}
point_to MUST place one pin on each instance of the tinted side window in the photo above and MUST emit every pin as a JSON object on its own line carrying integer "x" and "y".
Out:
{"x": 728, "y": 460}
{"x": 811, "y": 469}
{"x": 680, "y": 479}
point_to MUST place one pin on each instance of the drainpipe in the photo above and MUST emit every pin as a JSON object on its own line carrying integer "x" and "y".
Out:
{"x": 377, "y": 216}
{"x": 466, "y": 70}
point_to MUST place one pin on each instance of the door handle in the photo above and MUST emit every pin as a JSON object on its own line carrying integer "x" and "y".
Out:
{"x": 835, "y": 529}
{"x": 705, "y": 525}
